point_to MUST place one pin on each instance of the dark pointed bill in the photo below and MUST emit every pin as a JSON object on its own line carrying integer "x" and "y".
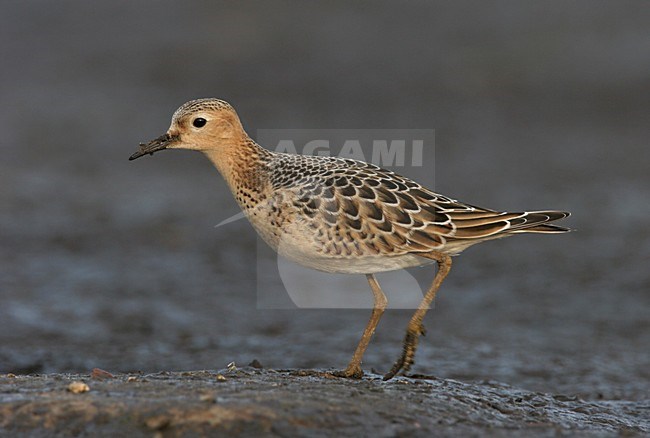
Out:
{"x": 155, "y": 145}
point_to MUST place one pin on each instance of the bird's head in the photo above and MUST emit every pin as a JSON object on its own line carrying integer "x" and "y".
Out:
{"x": 200, "y": 125}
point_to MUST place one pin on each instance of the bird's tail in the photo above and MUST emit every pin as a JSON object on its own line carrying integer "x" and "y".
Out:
{"x": 537, "y": 222}
{"x": 482, "y": 224}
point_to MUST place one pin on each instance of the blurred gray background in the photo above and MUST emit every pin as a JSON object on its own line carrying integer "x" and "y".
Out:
{"x": 115, "y": 264}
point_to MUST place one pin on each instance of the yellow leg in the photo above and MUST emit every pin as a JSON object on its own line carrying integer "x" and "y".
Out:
{"x": 354, "y": 367}
{"x": 415, "y": 328}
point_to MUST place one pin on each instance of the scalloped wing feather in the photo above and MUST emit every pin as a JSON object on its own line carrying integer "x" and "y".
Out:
{"x": 361, "y": 209}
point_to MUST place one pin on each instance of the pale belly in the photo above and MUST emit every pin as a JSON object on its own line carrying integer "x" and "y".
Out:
{"x": 296, "y": 244}
{"x": 357, "y": 265}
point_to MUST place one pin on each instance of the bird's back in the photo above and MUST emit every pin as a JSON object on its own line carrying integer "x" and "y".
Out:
{"x": 344, "y": 215}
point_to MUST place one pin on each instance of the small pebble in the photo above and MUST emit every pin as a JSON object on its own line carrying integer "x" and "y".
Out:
{"x": 78, "y": 387}
{"x": 256, "y": 364}
{"x": 100, "y": 374}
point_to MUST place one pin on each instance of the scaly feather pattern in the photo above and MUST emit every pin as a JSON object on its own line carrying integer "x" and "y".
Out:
{"x": 356, "y": 209}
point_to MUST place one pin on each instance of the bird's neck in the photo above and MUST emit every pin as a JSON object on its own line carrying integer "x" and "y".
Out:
{"x": 242, "y": 164}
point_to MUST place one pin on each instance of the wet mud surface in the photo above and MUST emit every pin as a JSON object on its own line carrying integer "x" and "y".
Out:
{"x": 250, "y": 401}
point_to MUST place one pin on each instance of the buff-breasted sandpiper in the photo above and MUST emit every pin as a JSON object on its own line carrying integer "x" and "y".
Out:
{"x": 342, "y": 215}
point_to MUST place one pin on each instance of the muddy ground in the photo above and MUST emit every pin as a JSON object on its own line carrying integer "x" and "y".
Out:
{"x": 118, "y": 265}
{"x": 299, "y": 403}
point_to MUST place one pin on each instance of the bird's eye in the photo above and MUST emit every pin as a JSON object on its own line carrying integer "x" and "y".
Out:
{"x": 199, "y": 122}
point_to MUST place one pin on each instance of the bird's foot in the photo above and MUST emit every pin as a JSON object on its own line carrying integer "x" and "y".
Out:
{"x": 351, "y": 372}
{"x": 406, "y": 360}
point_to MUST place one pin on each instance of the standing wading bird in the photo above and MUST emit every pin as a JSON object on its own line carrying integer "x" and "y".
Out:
{"x": 341, "y": 215}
